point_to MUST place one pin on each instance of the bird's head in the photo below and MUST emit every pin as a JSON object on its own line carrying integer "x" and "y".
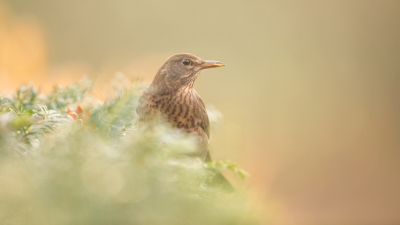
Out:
{"x": 180, "y": 71}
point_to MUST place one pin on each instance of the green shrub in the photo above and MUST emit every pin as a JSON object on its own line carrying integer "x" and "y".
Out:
{"x": 67, "y": 158}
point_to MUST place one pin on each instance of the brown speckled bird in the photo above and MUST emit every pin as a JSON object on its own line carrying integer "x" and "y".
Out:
{"x": 172, "y": 95}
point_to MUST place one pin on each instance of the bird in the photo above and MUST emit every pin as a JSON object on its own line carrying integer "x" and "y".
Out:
{"x": 171, "y": 95}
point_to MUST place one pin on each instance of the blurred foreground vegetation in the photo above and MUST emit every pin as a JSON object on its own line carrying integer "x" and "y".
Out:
{"x": 67, "y": 158}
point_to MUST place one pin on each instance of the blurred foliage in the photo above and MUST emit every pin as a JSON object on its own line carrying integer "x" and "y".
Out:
{"x": 67, "y": 158}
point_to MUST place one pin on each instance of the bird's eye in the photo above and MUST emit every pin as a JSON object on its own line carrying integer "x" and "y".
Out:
{"x": 186, "y": 62}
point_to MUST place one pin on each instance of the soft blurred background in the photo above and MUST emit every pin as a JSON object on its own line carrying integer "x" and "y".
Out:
{"x": 310, "y": 94}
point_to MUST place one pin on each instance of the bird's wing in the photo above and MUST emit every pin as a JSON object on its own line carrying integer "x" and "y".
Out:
{"x": 204, "y": 121}
{"x": 142, "y": 109}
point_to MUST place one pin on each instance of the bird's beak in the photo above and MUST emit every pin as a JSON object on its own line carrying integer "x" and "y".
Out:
{"x": 211, "y": 64}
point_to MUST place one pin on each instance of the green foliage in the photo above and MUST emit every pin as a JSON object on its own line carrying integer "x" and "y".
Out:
{"x": 94, "y": 166}
{"x": 116, "y": 116}
{"x": 227, "y": 164}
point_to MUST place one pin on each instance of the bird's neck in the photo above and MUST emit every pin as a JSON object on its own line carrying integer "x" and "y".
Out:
{"x": 163, "y": 90}
{"x": 185, "y": 90}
